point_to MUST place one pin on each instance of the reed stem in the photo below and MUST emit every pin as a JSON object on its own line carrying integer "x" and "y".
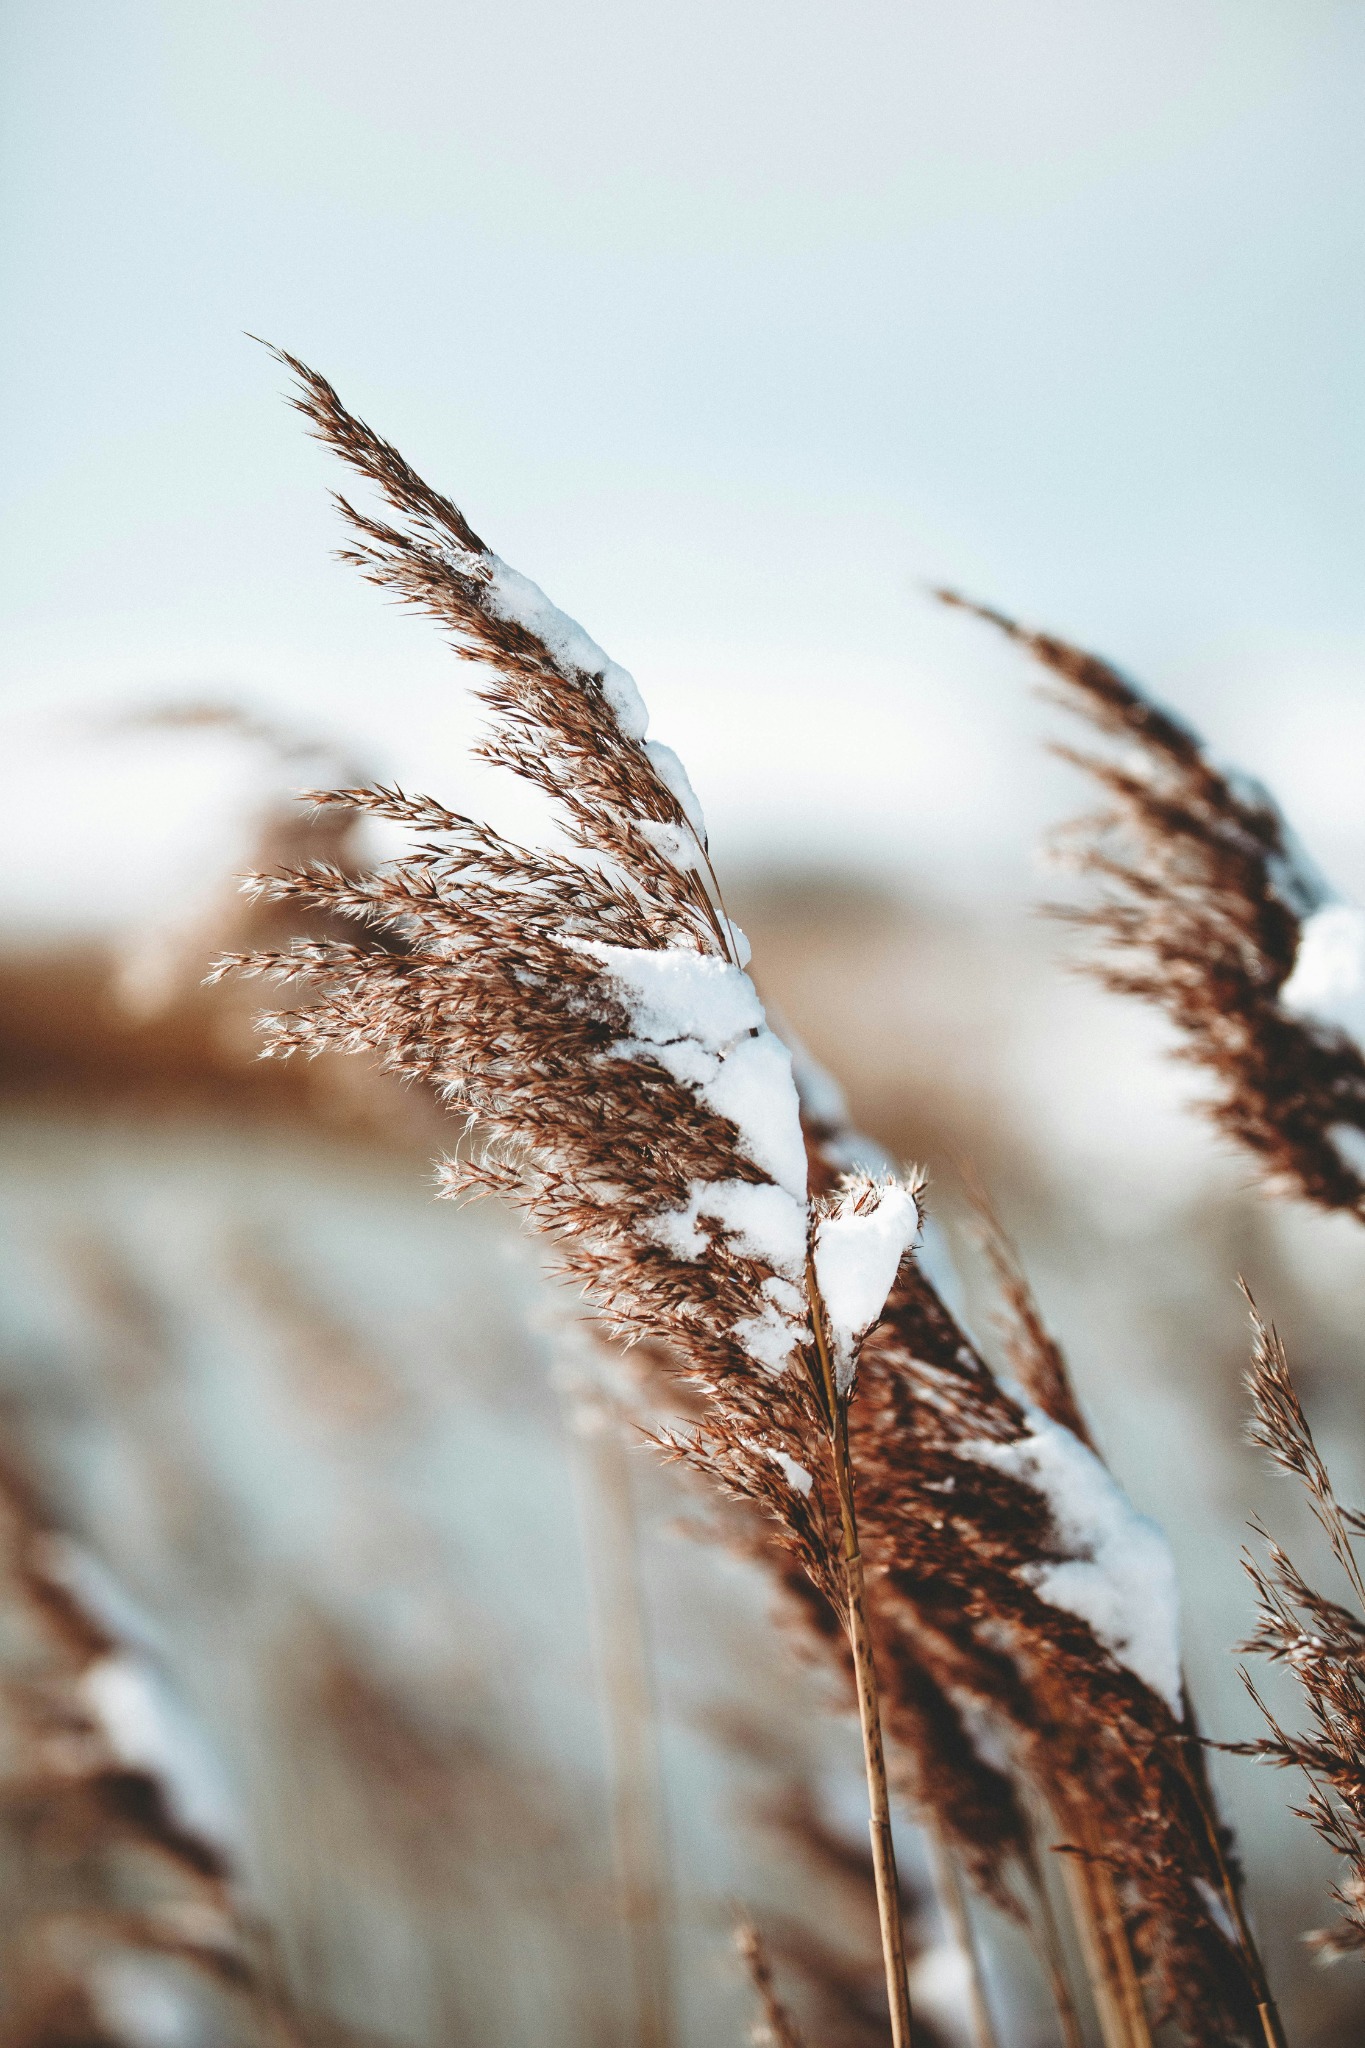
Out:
{"x": 865, "y": 1679}
{"x": 1104, "y": 1940}
{"x": 1054, "y": 1960}
{"x": 1266, "y": 2010}
{"x": 952, "y": 1895}
{"x": 638, "y": 1828}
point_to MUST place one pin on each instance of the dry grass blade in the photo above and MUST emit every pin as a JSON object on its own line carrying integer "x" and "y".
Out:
{"x": 581, "y": 1375}
{"x": 1321, "y": 1642}
{"x": 1033, "y": 1353}
{"x": 1204, "y": 905}
{"x": 1280, "y": 1428}
{"x": 953, "y": 1898}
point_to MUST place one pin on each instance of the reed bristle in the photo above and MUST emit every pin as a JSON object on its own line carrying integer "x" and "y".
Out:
{"x": 1199, "y": 900}
{"x": 1318, "y": 1640}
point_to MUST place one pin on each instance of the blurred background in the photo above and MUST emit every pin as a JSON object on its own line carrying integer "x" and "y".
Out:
{"x": 736, "y": 328}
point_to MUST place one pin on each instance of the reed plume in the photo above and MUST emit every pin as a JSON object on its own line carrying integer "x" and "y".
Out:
{"x": 1318, "y": 1640}
{"x": 1205, "y": 905}
{"x": 116, "y": 1839}
{"x": 585, "y": 1009}
{"x": 1062, "y": 1687}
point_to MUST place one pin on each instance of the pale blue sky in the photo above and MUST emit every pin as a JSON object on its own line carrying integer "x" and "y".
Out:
{"x": 731, "y": 325}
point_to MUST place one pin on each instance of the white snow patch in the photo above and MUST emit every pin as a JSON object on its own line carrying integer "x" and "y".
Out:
{"x": 1120, "y": 1578}
{"x": 93, "y": 1586}
{"x": 744, "y": 952}
{"x": 673, "y": 775}
{"x": 141, "y": 2003}
{"x": 753, "y": 1088}
{"x": 1349, "y": 1140}
{"x": 764, "y": 1221}
{"x": 147, "y": 1729}
{"x": 757, "y": 1217}
{"x": 770, "y": 1337}
{"x": 673, "y": 843}
{"x": 515, "y": 598}
{"x": 821, "y": 1097}
{"x": 1327, "y": 985}
{"x": 858, "y": 1250}
{"x": 941, "y": 1986}
{"x": 792, "y": 1470}
{"x": 1217, "y": 1907}
{"x": 701, "y": 1018}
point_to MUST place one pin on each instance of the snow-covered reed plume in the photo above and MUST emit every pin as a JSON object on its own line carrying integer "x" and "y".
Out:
{"x": 119, "y": 1841}
{"x": 584, "y": 1008}
{"x": 1321, "y": 1642}
{"x": 1206, "y": 905}
{"x": 1027, "y": 1632}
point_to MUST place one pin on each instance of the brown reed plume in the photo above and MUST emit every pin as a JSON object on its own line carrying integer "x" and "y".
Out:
{"x": 115, "y": 1859}
{"x": 1321, "y": 1642}
{"x": 932, "y": 1762}
{"x": 1206, "y": 906}
{"x": 586, "y": 1010}
{"x": 1016, "y": 1585}
{"x": 1039, "y": 1365}
{"x": 994, "y": 1729}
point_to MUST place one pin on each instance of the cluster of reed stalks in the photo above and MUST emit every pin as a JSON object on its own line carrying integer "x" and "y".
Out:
{"x": 754, "y": 1297}
{"x": 1004, "y": 1619}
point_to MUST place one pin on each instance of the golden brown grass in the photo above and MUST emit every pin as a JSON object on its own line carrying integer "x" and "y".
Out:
{"x": 507, "y": 980}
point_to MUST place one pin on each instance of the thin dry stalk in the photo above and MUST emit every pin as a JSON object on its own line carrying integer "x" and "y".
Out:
{"x": 627, "y": 1676}
{"x": 833, "y": 1944}
{"x": 1048, "y": 1940}
{"x": 777, "y": 2027}
{"x": 865, "y": 1682}
{"x": 1039, "y": 1365}
{"x": 952, "y": 1895}
{"x": 1100, "y": 1923}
